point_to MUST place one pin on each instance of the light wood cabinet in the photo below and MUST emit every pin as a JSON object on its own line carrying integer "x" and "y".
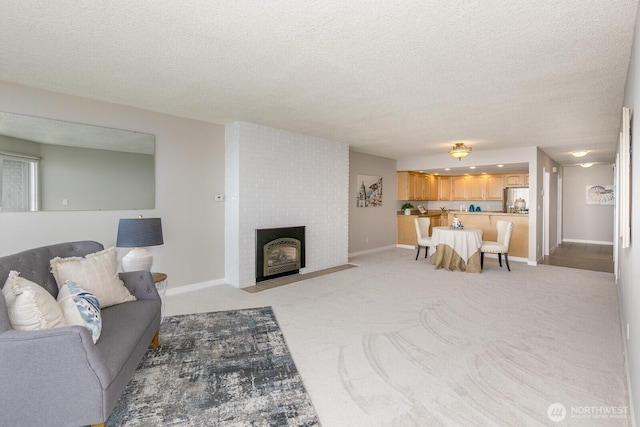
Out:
{"x": 493, "y": 187}
{"x": 458, "y": 188}
{"x": 429, "y": 187}
{"x": 420, "y": 186}
{"x": 417, "y": 181}
{"x": 416, "y": 186}
{"x": 444, "y": 188}
{"x": 409, "y": 186}
{"x": 407, "y": 228}
{"x": 516, "y": 180}
{"x": 475, "y": 187}
{"x": 426, "y": 188}
{"x": 403, "y": 185}
{"x": 467, "y": 187}
{"x": 432, "y": 184}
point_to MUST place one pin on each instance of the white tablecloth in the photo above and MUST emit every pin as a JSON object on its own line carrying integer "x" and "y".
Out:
{"x": 465, "y": 241}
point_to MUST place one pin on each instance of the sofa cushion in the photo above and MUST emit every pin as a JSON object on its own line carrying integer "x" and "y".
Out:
{"x": 30, "y": 306}
{"x": 96, "y": 273}
{"x": 80, "y": 308}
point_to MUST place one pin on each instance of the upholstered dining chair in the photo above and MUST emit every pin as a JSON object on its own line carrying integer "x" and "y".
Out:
{"x": 422, "y": 233}
{"x": 501, "y": 246}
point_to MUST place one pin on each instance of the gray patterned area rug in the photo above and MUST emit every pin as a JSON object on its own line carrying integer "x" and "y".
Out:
{"x": 227, "y": 368}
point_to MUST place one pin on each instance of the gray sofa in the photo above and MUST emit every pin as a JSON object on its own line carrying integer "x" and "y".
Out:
{"x": 59, "y": 377}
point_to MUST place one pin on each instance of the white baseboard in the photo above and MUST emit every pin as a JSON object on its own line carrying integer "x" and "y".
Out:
{"x": 195, "y": 287}
{"x": 594, "y": 242}
{"x": 370, "y": 251}
{"x": 405, "y": 246}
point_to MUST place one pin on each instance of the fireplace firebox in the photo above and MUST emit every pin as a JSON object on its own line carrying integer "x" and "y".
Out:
{"x": 279, "y": 252}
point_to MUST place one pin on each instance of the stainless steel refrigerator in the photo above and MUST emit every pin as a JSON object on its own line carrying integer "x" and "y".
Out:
{"x": 509, "y": 197}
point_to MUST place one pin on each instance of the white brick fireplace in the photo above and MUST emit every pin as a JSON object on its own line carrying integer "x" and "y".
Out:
{"x": 275, "y": 178}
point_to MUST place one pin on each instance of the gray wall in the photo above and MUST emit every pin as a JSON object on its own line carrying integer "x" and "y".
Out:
{"x": 372, "y": 227}
{"x": 629, "y": 265}
{"x": 189, "y": 171}
{"x": 582, "y": 222}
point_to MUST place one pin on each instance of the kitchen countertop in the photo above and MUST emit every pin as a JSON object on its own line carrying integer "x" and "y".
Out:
{"x": 488, "y": 213}
{"x": 428, "y": 213}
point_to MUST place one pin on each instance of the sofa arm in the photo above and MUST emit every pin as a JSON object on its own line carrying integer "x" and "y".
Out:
{"x": 51, "y": 373}
{"x": 140, "y": 284}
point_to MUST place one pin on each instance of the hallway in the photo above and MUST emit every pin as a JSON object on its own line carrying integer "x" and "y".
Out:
{"x": 584, "y": 256}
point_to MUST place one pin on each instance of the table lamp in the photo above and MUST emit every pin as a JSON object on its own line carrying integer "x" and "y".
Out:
{"x": 137, "y": 233}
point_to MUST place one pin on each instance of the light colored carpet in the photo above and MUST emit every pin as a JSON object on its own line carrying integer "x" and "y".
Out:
{"x": 397, "y": 343}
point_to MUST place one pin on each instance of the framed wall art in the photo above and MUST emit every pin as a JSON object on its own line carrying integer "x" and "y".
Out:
{"x": 369, "y": 191}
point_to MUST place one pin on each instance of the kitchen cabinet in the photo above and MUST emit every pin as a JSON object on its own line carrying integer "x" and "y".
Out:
{"x": 416, "y": 186}
{"x": 458, "y": 188}
{"x": 444, "y": 188}
{"x": 467, "y": 187}
{"x": 516, "y": 180}
{"x": 407, "y": 229}
{"x": 420, "y": 186}
{"x": 429, "y": 188}
{"x": 475, "y": 187}
{"x": 409, "y": 186}
{"x": 493, "y": 187}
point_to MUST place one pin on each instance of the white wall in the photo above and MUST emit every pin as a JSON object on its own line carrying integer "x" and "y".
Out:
{"x": 371, "y": 228}
{"x": 629, "y": 258}
{"x": 189, "y": 171}
{"x": 277, "y": 178}
{"x": 582, "y": 222}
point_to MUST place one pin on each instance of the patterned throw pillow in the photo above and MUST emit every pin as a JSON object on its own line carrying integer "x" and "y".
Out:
{"x": 80, "y": 308}
{"x": 97, "y": 273}
{"x": 30, "y": 306}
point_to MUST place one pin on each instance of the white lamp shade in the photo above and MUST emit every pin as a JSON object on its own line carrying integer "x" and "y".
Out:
{"x": 137, "y": 259}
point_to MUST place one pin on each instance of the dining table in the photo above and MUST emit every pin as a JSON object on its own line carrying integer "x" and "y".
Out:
{"x": 457, "y": 248}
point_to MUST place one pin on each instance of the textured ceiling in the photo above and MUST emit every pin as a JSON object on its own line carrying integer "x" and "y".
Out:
{"x": 394, "y": 79}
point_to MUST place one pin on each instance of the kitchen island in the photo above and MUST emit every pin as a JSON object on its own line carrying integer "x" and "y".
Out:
{"x": 519, "y": 246}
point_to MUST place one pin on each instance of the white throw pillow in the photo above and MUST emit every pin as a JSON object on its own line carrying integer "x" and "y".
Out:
{"x": 80, "y": 308}
{"x": 30, "y": 306}
{"x": 97, "y": 273}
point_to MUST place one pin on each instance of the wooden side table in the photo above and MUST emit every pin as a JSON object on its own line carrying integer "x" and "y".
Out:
{"x": 160, "y": 280}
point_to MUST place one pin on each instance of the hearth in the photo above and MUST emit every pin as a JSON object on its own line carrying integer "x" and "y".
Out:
{"x": 279, "y": 252}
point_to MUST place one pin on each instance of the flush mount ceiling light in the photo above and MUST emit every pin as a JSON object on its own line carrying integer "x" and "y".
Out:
{"x": 459, "y": 151}
{"x": 586, "y": 165}
{"x": 579, "y": 153}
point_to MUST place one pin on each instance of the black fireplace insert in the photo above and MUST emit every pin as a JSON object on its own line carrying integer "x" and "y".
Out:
{"x": 279, "y": 252}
